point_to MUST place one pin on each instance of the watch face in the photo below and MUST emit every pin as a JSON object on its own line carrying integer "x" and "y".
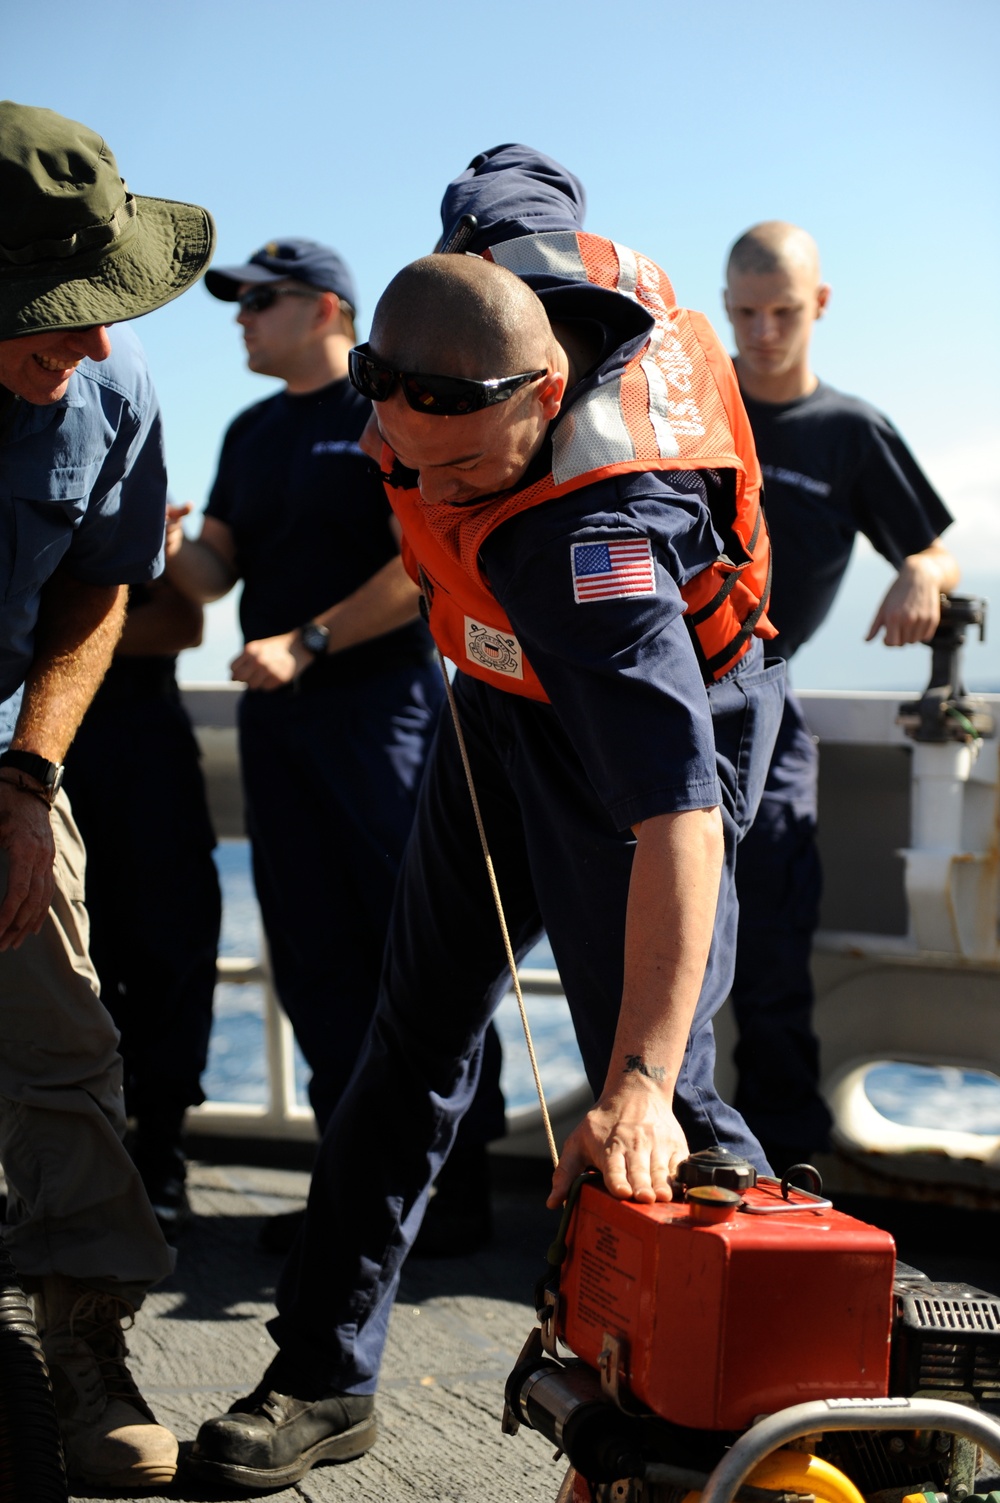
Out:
{"x": 315, "y": 638}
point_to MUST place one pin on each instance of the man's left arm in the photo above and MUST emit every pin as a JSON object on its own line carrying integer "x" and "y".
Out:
{"x": 387, "y": 600}
{"x": 631, "y": 1135}
{"x": 911, "y": 609}
{"x": 902, "y": 515}
{"x": 78, "y": 626}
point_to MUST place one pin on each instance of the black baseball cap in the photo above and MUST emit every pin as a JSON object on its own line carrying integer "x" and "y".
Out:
{"x": 282, "y": 260}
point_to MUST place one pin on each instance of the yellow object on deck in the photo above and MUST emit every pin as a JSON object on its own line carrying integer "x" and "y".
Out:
{"x": 800, "y": 1472}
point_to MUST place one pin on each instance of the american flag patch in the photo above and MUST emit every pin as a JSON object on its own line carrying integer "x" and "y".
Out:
{"x": 610, "y": 571}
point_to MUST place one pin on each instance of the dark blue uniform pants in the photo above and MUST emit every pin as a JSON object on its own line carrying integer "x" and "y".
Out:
{"x": 560, "y": 864}
{"x": 331, "y": 776}
{"x": 135, "y": 783}
{"x": 778, "y": 881}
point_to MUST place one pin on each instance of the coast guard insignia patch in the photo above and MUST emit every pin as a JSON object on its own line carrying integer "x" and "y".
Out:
{"x": 612, "y": 570}
{"x": 493, "y": 649}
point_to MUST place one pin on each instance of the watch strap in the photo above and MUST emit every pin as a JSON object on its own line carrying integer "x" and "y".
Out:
{"x": 48, "y": 774}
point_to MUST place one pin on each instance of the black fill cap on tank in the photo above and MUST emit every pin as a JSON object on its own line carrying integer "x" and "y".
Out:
{"x": 717, "y": 1166}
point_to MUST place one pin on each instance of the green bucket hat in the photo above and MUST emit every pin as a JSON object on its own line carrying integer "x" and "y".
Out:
{"x": 76, "y": 247}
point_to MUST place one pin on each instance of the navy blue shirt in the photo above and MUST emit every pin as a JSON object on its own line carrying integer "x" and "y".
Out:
{"x": 833, "y": 466}
{"x": 308, "y": 514}
{"x": 82, "y": 484}
{"x": 620, "y": 670}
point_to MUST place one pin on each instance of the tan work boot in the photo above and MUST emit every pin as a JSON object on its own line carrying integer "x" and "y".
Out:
{"x": 109, "y": 1434}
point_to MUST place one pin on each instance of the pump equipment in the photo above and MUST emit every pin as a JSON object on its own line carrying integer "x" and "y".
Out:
{"x": 749, "y": 1330}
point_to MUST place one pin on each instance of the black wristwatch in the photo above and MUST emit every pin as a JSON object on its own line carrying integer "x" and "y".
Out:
{"x": 314, "y": 638}
{"x": 49, "y": 774}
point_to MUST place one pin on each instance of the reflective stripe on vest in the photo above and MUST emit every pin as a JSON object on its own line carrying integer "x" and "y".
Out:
{"x": 675, "y": 406}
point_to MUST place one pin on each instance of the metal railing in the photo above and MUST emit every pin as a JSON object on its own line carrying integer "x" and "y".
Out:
{"x": 864, "y": 799}
{"x": 282, "y": 1115}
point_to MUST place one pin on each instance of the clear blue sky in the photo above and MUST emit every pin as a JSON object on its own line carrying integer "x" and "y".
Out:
{"x": 875, "y": 125}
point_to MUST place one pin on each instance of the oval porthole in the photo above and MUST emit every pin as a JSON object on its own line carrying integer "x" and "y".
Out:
{"x": 917, "y": 1108}
{"x": 935, "y": 1097}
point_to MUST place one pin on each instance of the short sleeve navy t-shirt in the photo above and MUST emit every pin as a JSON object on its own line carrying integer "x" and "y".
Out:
{"x": 833, "y": 466}
{"x": 308, "y": 513}
{"x": 619, "y": 668}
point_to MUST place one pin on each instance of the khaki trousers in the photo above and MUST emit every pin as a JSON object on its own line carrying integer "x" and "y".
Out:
{"x": 76, "y": 1205}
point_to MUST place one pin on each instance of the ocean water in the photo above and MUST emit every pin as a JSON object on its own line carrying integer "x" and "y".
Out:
{"x": 236, "y": 1060}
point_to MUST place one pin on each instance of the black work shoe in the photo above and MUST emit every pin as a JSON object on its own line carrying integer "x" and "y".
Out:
{"x": 270, "y": 1439}
{"x": 279, "y": 1232}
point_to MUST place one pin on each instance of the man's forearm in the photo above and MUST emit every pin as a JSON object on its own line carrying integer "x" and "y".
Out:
{"x": 78, "y": 626}
{"x": 166, "y": 622}
{"x": 631, "y": 1134}
{"x": 199, "y": 572}
{"x": 389, "y": 599}
{"x": 673, "y": 895}
{"x": 938, "y": 563}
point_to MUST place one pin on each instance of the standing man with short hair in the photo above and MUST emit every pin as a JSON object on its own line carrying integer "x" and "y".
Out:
{"x": 833, "y": 466}
{"x": 342, "y": 694}
{"x": 82, "y": 498}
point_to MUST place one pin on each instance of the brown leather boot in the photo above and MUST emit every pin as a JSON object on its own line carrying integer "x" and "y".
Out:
{"x": 109, "y": 1434}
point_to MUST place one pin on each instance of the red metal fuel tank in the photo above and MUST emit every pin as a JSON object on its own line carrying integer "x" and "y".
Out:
{"x": 729, "y": 1306}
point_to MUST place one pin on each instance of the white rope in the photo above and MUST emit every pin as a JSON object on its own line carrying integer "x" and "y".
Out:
{"x": 511, "y": 962}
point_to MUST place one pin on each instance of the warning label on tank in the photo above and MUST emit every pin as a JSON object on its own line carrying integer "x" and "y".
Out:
{"x": 608, "y": 1267}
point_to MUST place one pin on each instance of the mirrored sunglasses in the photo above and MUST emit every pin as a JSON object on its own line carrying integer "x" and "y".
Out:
{"x": 440, "y": 396}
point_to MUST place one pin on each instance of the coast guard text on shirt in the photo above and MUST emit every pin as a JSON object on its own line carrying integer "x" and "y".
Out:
{"x": 612, "y": 570}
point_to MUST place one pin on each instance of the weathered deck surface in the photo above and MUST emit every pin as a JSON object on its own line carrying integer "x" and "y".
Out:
{"x": 200, "y": 1340}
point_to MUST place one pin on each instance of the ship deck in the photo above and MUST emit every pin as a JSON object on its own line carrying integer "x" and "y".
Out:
{"x": 199, "y": 1343}
{"x": 456, "y": 1328}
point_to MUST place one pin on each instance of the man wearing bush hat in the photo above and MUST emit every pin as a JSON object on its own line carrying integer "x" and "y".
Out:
{"x": 82, "y": 502}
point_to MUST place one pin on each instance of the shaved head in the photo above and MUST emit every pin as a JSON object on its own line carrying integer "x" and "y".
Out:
{"x": 461, "y": 316}
{"x": 773, "y": 297}
{"x": 771, "y": 247}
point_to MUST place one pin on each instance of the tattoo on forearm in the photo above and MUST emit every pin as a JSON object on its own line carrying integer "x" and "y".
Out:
{"x": 635, "y": 1062}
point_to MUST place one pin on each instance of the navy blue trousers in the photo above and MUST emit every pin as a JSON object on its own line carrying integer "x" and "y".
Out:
{"x": 779, "y": 882}
{"x": 561, "y": 864}
{"x": 135, "y": 783}
{"x": 331, "y": 776}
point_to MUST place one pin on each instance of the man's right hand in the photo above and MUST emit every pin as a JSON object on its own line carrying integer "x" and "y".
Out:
{"x": 632, "y": 1137}
{"x": 26, "y": 836}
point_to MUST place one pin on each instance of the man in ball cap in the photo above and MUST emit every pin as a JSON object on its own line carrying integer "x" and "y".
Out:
{"x": 343, "y": 696}
{"x": 82, "y": 501}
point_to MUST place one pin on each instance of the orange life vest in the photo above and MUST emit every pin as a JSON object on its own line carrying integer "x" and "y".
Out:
{"x": 675, "y": 406}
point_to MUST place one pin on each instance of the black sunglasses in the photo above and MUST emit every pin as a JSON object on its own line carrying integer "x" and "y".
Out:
{"x": 259, "y": 299}
{"x": 441, "y": 396}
